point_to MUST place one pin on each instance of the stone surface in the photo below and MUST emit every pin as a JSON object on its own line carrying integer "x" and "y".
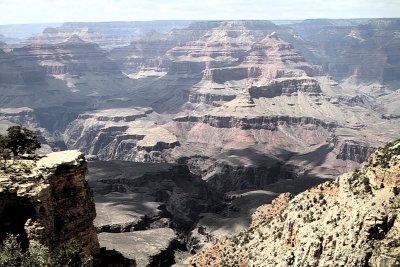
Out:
{"x": 72, "y": 55}
{"x": 107, "y": 34}
{"x": 352, "y": 221}
{"x": 127, "y": 134}
{"x": 141, "y": 193}
{"x": 143, "y": 246}
{"x": 55, "y": 202}
{"x": 269, "y": 211}
{"x": 354, "y": 44}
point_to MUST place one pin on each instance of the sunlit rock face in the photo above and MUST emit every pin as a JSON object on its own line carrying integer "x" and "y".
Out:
{"x": 352, "y": 221}
{"x": 121, "y": 134}
{"x": 50, "y": 202}
{"x": 72, "y": 55}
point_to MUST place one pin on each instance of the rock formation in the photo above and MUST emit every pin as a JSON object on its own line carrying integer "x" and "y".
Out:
{"x": 49, "y": 201}
{"x": 252, "y": 109}
{"x": 107, "y": 34}
{"x": 245, "y": 76}
{"x": 213, "y": 88}
{"x": 72, "y": 55}
{"x": 149, "y": 248}
{"x": 353, "y": 42}
{"x": 145, "y": 211}
{"x": 351, "y": 222}
{"x": 120, "y": 134}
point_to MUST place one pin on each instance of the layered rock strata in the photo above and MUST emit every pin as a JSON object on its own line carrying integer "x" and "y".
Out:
{"x": 267, "y": 122}
{"x": 363, "y": 51}
{"x": 73, "y": 55}
{"x": 148, "y": 248}
{"x": 50, "y": 201}
{"x": 120, "y": 134}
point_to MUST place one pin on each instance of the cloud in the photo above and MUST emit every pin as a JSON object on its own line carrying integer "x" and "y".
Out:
{"x": 28, "y": 11}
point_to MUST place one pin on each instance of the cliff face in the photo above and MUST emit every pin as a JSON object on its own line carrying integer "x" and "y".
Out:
{"x": 145, "y": 211}
{"x": 73, "y": 55}
{"x": 357, "y": 152}
{"x": 273, "y": 91}
{"x": 261, "y": 122}
{"x": 106, "y": 34}
{"x": 366, "y": 52}
{"x": 49, "y": 201}
{"x": 353, "y": 221}
{"x": 126, "y": 134}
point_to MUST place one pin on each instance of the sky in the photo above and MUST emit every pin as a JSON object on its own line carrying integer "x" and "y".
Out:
{"x": 45, "y": 11}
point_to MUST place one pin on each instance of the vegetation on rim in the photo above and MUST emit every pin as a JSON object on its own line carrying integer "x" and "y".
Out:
{"x": 38, "y": 255}
{"x": 18, "y": 141}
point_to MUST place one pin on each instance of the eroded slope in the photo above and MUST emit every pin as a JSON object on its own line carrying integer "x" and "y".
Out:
{"x": 350, "y": 222}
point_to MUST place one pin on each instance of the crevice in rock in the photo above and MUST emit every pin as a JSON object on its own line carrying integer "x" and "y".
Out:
{"x": 112, "y": 258}
{"x": 14, "y": 213}
{"x": 379, "y": 231}
{"x": 166, "y": 257}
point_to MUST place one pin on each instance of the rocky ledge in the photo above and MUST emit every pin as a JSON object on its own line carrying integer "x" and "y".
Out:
{"x": 49, "y": 201}
{"x": 125, "y": 133}
{"x": 255, "y": 122}
{"x": 353, "y": 221}
{"x": 153, "y": 247}
{"x": 286, "y": 86}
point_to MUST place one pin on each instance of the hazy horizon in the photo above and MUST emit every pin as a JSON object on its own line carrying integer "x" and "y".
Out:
{"x": 50, "y": 11}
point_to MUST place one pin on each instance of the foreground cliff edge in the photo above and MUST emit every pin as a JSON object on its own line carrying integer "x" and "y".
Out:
{"x": 49, "y": 201}
{"x": 354, "y": 221}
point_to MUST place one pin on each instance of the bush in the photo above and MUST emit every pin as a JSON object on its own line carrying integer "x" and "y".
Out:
{"x": 22, "y": 140}
{"x": 10, "y": 252}
{"x": 387, "y": 153}
{"x": 38, "y": 255}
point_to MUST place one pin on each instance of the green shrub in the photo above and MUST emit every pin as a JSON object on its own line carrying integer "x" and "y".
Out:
{"x": 10, "y": 252}
{"x": 38, "y": 255}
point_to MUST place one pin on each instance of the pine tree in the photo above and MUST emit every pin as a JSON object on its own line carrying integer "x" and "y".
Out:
{"x": 4, "y": 151}
{"x": 21, "y": 140}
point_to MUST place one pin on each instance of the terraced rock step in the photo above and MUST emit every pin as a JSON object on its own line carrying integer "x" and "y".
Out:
{"x": 257, "y": 122}
{"x": 148, "y": 248}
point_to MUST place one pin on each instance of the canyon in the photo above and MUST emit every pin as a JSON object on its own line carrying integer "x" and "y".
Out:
{"x": 189, "y": 126}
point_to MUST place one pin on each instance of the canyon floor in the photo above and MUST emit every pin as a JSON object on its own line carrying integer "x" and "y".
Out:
{"x": 139, "y": 203}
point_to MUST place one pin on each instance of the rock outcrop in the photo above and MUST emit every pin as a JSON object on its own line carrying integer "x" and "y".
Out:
{"x": 363, "y": 51}
{"x": 147, "y": 50}
{"x": 243, "y": 81}
{"x": 132, "y": 196}
{"x": 73, "y": 56}
{"x": 145, "y": 211}
{"x": 107, "y": 34}
{"x": 246, "y": 105}
{"x": 223, "y": 45}
{"x": 49, "y": 201}
{"x": 148, "y": 248}
{"x": 259, "y": 122}
{"x": 120, "y": 134}
{"x": 353, "y": 221}
{"x": 357, "y": 152}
